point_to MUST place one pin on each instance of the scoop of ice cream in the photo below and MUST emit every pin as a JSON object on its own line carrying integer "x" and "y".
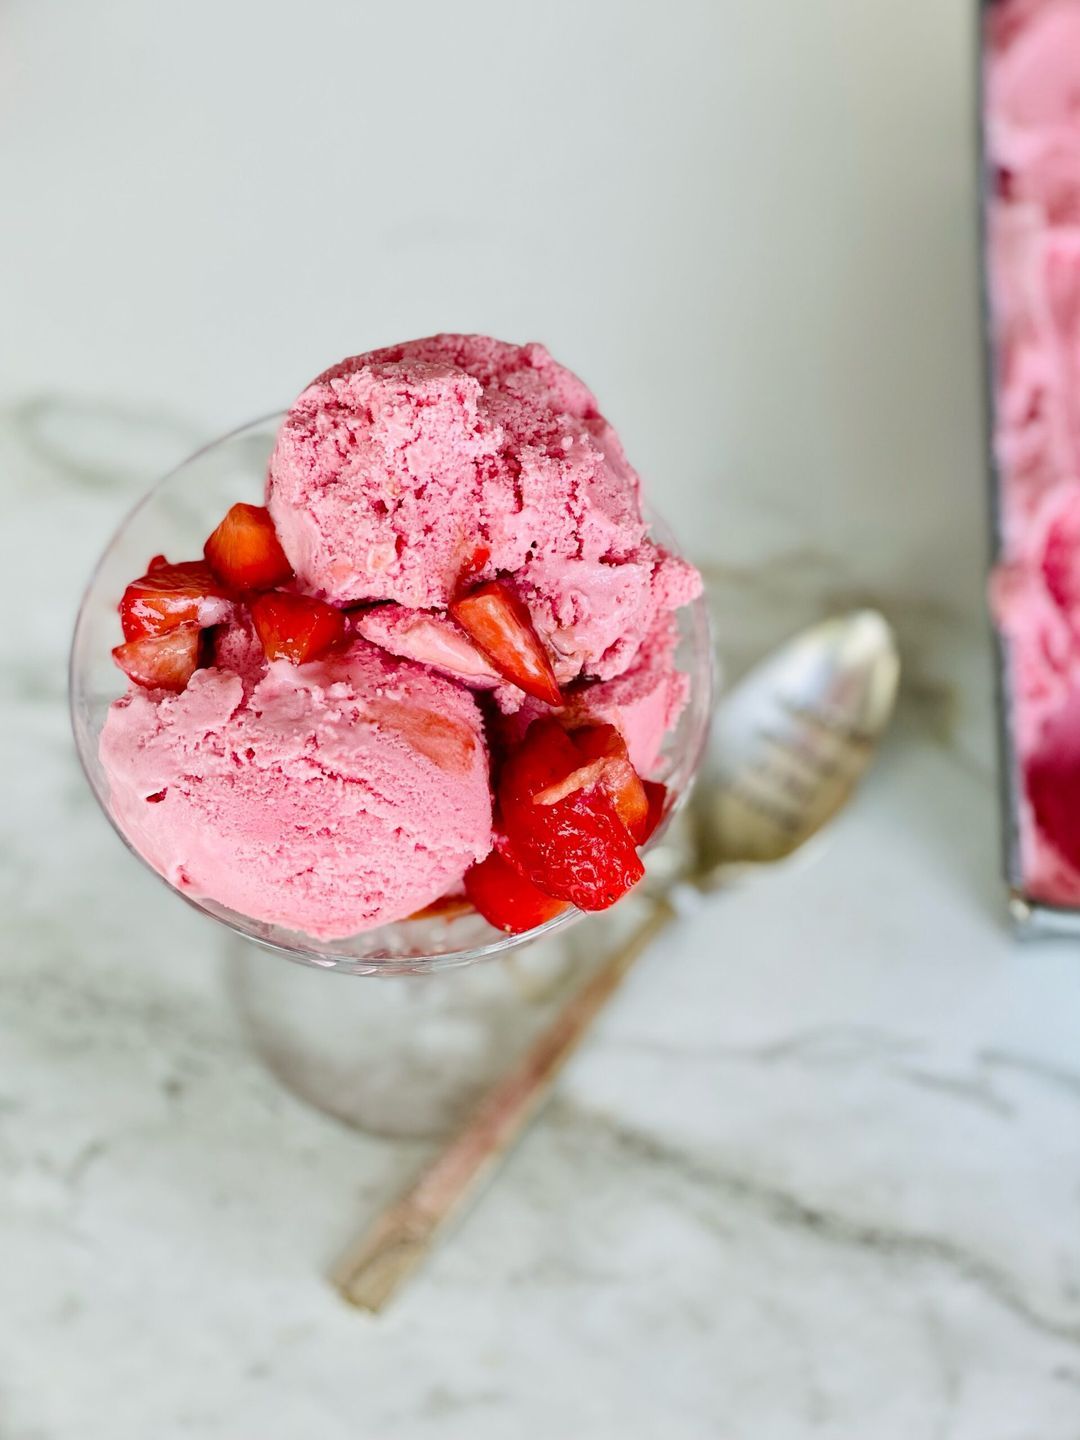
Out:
{"x": 379, "y": 479}
{"x": 328, "y": 798}
{"x": 396, "y": 470}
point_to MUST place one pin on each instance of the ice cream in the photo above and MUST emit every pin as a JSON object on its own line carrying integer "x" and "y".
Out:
{"x": 327, "y": 798}
{"x": 1033, "y": 138}
{"x": 452, "y": 548}
{"x": 395, "y": 468}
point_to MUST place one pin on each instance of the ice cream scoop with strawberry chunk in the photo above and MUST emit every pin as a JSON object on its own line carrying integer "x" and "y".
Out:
{"x": 392, "y": 467}
{"x": 333, "y": 797}
{"x": 301, "y": 741}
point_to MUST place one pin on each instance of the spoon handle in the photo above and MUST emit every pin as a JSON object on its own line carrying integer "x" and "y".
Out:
{"x": 371, "y": 1270}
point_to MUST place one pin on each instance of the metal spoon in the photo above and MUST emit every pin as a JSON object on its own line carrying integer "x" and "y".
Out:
{"x": 786, "y": 750}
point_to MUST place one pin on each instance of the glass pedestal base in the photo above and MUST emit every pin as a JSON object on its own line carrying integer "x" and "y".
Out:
{"x": 405, "y": 1055}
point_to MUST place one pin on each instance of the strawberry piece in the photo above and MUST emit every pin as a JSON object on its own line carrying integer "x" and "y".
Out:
{"x": 576, "y": 848}
{"x": 494, "y": 617}
{"x": 656, "y": 795}
{"x": 604, "y": 744}
{"x": 583, "y": 778}
{"x": 506, "y": 898}
{"x": 296, "y": 627}
{"x": 156, "y": 562}
{"x": 171, "y": 595}
{"x": 245, "y": 551}
{"x": 473, "y": 566}
{"x": 161, "y": 662}
{"x": 543, "y": 758}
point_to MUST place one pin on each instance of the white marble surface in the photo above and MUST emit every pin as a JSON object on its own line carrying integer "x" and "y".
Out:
{"x": 819, "y": 1171}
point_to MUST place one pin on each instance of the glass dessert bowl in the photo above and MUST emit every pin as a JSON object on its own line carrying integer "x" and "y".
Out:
{"x": 176, "y": 515}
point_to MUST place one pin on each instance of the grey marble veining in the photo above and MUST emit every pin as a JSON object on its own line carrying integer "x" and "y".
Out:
{"x": 818, "y": 1172}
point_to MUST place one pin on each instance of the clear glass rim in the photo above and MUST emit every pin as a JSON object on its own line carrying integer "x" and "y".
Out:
{"x": 307, "y": 954}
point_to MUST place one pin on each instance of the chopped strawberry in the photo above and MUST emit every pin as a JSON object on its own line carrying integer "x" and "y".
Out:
{"x": 604, "y": 744}
{"x": 245, "y": 551}
{"x": 473, "y": 565}
{"x": 508, "y": 899}
{"x": 544, "y": 757}
{"x": 494, "y": 617}
{"x": 576, "y": 848}
{"x": 656, "y": 795}
{"x": 161, "y": 662}
{"x": 583, "y": 778}
{"x": 171, "y": 595}
{"x": 296, "y": 627}
{"x": 156, "y": 562}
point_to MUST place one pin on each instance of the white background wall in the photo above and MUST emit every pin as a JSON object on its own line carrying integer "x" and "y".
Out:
{"x": 747, "y": 223}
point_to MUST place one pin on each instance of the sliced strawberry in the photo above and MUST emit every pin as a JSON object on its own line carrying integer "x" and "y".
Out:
{"x": 494, "y": 617}
{"x": 508, "y": 899}
{"x": 245, "y": 551}
{"x": 161, "y": 662}
{"x": 656, "y": 794}
{"x": 171, "y": 595}
{"x": 576, "y": 848}
{"x": 603, "y": 743}
{"x": 156, "y": 562}
{"x": 583, "y": 778}
{"x": 296, "y": 627}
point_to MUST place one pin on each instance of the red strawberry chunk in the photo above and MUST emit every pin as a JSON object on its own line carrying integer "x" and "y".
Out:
{"x": 245, "y": 551}
{"x": 161, "y": 662}
{"x": 576, "y": 848}
{"x": 583, "y": 778}
{"x": 474, "y": 565}
{"x": 494, "y": 617}
{"x": 156, "y": 562}
{"x": 544, "y": 758}
{"x": 507, "y": 899}
{"x": 604, "y": 744}
{"x": 656, "y": 795}
{"x": 296, "y": 627}
{"x": 171, "y": 595}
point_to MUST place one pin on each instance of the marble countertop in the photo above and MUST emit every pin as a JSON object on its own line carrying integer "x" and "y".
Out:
{"x": 818, "y": 1171}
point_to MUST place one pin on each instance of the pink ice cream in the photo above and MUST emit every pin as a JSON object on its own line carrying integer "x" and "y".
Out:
{"x": 1033, "y": 134}
{"x": 394, "y": 468}
{"x": 339, "y": 795}
{"x": 329, "y": 798}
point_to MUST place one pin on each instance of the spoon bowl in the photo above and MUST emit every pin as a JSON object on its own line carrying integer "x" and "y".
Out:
{"x": 789, "y": 744}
